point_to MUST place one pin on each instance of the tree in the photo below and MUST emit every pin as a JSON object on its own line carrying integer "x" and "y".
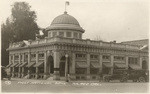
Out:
{"x": 21, "y": 26}
{"x": 24, "y": 22}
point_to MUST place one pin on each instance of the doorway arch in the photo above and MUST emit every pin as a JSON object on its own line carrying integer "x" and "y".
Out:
{"x": 50, "y": 65}
{"x": 62, "y": 66}
{"x": 144, "y": 64}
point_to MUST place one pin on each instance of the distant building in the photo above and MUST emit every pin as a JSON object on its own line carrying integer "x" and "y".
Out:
{"x": 64, "y": 52}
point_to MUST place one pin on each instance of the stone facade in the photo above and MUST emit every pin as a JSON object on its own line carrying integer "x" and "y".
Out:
{"x": 71, "y": 57}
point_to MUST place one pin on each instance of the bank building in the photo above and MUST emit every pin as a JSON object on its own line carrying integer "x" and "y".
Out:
{"x": 63, "y": 53}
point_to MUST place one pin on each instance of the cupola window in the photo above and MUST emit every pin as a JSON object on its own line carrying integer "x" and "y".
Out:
{"x": 68, "y": 34}
{"x": 61, "y": 34}
{"x": 75, "y": 35}
{"x": 54, "y": 34}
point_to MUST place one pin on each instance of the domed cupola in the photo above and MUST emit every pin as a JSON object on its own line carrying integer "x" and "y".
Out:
{"x": 65, "y": 25}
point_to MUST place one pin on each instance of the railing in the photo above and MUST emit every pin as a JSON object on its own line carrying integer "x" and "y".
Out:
{"x": 77, "y": 41}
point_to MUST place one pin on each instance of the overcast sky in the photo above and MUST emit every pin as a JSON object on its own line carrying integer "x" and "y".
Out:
{"x": 120, "y": 20}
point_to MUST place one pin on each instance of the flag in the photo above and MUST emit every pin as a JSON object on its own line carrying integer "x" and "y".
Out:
{"x": 67, "y": 3}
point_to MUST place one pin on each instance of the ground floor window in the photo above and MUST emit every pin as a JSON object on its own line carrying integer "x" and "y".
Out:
{"x": 41, "y": 69}
{"x": 81, "y": 70}
{"x": 94, "y": 71}
{"x": 33, "y": 70}
{"x": 106, "y": 70}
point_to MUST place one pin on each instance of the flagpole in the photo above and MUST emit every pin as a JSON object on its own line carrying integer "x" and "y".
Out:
{"x": 65, "y": 7}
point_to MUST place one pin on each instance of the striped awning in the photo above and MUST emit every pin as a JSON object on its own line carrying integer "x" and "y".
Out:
{"x": 38, "y": 64}
{"x": 134, "y": 66}
{"x": 81, "y": 65}
{"x": 95, "y": 65}
{"x": 23, "y": 64}
{"x": 109, "y": 65}
{"x": 18, "y": 64}
{"x": 30, "y": 64}
{"x": 121, "y": 65}
{"x": 9, "y": 65}
{"x": 14, "y": 64}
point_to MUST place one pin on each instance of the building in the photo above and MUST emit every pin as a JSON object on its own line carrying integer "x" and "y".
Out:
{"x": 64, "y": 53}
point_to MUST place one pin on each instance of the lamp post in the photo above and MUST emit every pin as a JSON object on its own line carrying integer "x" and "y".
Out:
{"x": 66, "y": 68}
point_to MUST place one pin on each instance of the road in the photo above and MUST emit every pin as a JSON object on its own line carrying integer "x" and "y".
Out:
{"x": 36, "y": 86}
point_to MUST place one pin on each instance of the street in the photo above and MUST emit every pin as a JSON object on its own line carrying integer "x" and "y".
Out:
{"x": 36, "y": 86}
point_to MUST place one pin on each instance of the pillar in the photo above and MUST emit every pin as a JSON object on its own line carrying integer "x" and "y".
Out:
{"x": 19, "y": 69}
{"x": 112, "y": 63}
{"x": 101, "y": 63}
{"x": 140, "y": 62}
{"x": 13, "y": 70}
{"x": 72, "y": 68}
{"x": 66, "y": 67}
{"x": 45, "y": 65}
{"x": 29, "y": 59}
{"x": 88, "y": 68}
{"x": 37, "y": 68}
{"x": 23, "y": 61}
{"x": 56, "y": 66}
{"x": 127, "y": 62}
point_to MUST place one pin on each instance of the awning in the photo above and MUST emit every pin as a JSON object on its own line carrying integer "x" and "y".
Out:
{"x": 134, "y": 66}
{"x": 109, "y": 65}
{"x": 14, "y": 64}
{"x": 121, "y": 65}
{"x": 9, "y": 65}
{"x": 95, "y": 65}
{"x": 23, "y": 64}
{"x": 30, "y": 64}
{"x": 81, "y": 65}
{"x": 18, "y": 64}
{"x": 38, "y": 64}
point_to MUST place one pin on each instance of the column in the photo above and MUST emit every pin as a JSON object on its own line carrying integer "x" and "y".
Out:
{"x": 66, "y": 68}
{"x": 140, "y": 62}
{"x": 127, "y": 61}
{"x": 19, "y": 69}
{"x": 45, "y": 65}
{"x": 13, "y": 70}
{"x": 112, "y": 63}
{"x": 37, "y": 68}
{"x": 88, "y": 68}
{"x": 56, "y": 66}
{"x": 72, "y": 68}
{"x": 29, "y": 59}
{"x": 23, "y": 61}
{"x": 100, "y": 62}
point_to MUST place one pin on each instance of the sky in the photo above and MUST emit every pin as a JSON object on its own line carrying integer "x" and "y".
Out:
{"x": 120, "y": 20}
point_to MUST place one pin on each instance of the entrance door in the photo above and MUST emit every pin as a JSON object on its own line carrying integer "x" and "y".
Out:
{"x": 50, "y": 65}
{"x": 62, "y": 69}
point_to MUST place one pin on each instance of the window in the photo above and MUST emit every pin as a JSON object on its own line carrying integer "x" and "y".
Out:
{"x": 33, "y": 56}
{"x": 80, "y": 56}
{"x": 94, "y": 56}
{"x": 41, "y": 55}
{"x": 54, "y": 34}
{"x": 75, "y": 35}
{"x": 80, "y": 35}
{"x": 81, "y": 70}
{"x": 61, "y": 34}
{"x": 17, "y": 57}
{"x": 106, "y": 57}
{"x": 94, "y": 71}
{"x": 68, "y": 34}
{"x": 49, "y": 34}
{"x": 133, "y": 60}
{"x": 118, "y": 58}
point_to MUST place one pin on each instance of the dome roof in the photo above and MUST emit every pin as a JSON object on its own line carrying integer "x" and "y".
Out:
{"x": 65, "y": 19}
{"x": 65, "y": 22}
